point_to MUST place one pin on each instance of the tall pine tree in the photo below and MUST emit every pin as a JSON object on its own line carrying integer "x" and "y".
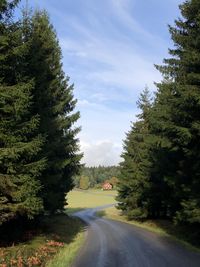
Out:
{"x": 177, "y": 113}
{"x": 133, "y": 186}
{"x": 54, "y": 103}
{"x": 20, "y": 142}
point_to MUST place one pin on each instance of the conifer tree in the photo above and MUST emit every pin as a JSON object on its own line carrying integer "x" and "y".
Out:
{"x": 6, "y": 9}
{"x": 54, "y": 103}
{"x": 20, "y": 142}
{"x": 177, "y": 117}
{"x": 133, "y": 186}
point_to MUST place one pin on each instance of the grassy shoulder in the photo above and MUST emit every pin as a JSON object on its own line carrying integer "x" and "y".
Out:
{"x": 182, "y": 234}
{"x": 54, "y": 242}
{"x": 66, "y": 256}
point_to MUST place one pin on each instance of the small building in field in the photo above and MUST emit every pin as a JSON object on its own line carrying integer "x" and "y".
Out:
{"x": 107, "y": 186}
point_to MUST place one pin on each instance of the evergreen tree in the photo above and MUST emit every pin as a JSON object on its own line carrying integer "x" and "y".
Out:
{"x": 6, "y": 9}
{"x": 19, "y": 139}
{"x": 54, "y": 102}
{"x": 133, "y": 186}
{"x": 176, "y": 115}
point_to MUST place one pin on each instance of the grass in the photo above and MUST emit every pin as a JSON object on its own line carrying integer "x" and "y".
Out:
{"x": 103, "y": 192}
{"x": 182, "y": 234}
{"x": 66, "y": 256}
{"x": 55, "y": 236}
{"x": 78, "y": 200}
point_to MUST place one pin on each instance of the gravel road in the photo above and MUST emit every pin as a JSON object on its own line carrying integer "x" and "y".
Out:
{"x": 115, "y": 244}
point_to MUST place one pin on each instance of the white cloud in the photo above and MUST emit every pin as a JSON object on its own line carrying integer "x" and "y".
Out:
{"x": 103, "y": 123}
{"x": 104, "y": 153}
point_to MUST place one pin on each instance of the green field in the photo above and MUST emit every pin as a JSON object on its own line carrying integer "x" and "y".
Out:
{"x": 78, "y": 200}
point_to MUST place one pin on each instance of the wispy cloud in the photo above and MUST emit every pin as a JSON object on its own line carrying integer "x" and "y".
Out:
{"x": 109, "y": 48}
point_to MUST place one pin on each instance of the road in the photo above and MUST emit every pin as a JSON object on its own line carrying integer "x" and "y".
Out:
{"x": 115, "y": 244}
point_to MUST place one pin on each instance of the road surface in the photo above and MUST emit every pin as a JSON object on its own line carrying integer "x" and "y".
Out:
{"x": 115, "y": 244}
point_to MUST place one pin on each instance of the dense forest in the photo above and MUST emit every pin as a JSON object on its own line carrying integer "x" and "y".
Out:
{"x": 39, "y": 152}
{"x": 94, "y": 177}
{"x": 160, "y": 172}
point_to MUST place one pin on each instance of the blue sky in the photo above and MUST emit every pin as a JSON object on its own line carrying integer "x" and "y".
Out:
{"x": 109, "y": 50}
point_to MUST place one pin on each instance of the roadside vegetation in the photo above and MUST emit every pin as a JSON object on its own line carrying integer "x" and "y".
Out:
{"x": 180, "y": 233}
{"x": 51, "y": 240}
{"x": 47, "y": 242}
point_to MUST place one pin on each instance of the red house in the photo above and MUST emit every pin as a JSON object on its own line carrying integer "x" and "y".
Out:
{"x": 107, "y": 186}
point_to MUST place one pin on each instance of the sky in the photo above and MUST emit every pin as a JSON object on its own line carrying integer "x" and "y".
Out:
{"x": 109, "y": 50}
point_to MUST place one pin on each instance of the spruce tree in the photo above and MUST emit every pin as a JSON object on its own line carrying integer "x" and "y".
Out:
{"x": 133, "y": 186}
{"x": 20, "y": 142}
{"x": 54, "y": 102}
{"x": 177, "y": 117}
{"x": 6, "y": 9}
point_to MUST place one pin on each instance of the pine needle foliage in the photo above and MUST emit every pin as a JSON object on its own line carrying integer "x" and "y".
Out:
{"x": 20, "y": 141}
{"x": 161, "y": 162}
{"x": 54, "y": 102}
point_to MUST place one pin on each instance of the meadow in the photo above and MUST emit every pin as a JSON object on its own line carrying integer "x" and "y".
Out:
{"x": 81, "y": 199}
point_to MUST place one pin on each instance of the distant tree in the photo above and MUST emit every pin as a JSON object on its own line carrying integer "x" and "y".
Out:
{"x": 76, "y": 180}
{"x": 114, "y": 181}
{"x": 98, "y": 175}
{"x": 84, "y": 183}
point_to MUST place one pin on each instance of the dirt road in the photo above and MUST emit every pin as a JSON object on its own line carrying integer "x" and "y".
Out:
{"x": 115, "y": 244}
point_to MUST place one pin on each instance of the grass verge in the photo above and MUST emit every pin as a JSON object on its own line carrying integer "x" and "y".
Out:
{"x": 66, "y": 256}
{"x": 182, "y": 234}
{"x": 54, "y": 236}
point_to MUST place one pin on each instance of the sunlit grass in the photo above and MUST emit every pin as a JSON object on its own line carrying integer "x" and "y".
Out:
{"x": 65, "y": 256}
{"x": 103, "y": 192}
{"x": 162, "y": 227}
{"x": 89, "y": 199}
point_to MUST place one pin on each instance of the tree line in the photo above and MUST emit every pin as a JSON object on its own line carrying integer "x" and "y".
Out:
{"x": 39, "y": 152}
{"x": 94, "y": 177}
{"x": 160, "y": 172}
